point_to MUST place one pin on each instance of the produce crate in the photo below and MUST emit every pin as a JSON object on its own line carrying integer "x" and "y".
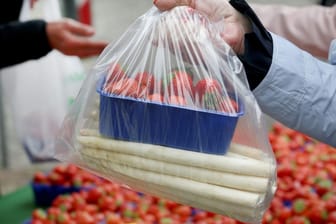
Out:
{"x": 45, "y": 194}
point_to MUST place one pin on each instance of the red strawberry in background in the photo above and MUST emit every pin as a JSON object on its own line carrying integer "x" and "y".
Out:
{"x": 179, "y": 83}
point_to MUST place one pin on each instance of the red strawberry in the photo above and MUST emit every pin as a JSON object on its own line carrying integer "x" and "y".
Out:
{"x": 208, "y": 94}
{"x": 115, "y": 73}
{"x": 211, "y": 101}
{"x": 206, "y": 86}
{"x": 40, "y": 178}
{"x": 177, "y": 100}
{"x": 228, "y": 105}
{"x": 146, "y": 80}
{"x": 39, "y": 214}
{"x": 155, "y": 97}
{"x": 124, "y": 87}
{"x": 179, "y": 83}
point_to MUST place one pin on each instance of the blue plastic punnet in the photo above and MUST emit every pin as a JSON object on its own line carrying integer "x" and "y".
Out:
{"x": 129, "y": 119}
{"x": 45, "y": 194}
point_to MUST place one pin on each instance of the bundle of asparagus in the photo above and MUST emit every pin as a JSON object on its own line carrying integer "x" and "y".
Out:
{"x": 238, "y": 184}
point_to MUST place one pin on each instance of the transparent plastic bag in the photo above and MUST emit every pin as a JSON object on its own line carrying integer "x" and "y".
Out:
{"x": 167, "y": 111}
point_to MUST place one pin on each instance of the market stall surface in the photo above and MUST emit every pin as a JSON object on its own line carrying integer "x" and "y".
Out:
{"x": 17, "y": 206}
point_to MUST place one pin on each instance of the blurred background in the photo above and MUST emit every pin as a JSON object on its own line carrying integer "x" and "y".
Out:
{"x": 110, "y": 18}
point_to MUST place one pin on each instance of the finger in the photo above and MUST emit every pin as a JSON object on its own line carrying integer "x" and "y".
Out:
{"x": 86, "y": 53}
{"x": 79, "y": 28}
{"x": 164, "y": 5}
{"x": 89, "y": 44}
{"x": 83, "y": 44}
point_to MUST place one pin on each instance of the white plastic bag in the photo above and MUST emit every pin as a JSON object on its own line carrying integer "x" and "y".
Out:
{"x": 41, "y": 91}
{"x": 168, "y": 112}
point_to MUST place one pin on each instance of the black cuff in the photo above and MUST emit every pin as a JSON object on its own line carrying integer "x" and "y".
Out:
{"x": 258, "y": 46}
{"x": 22, "y": 41}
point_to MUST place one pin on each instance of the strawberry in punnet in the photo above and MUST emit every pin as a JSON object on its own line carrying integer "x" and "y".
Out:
{"x": 39, "y": 214}
{"x": 41, "y": 178}
{"x": 146, "y": 81}
{"x": 228, "y": 105}
{"x": 219, "y": 103}
{"x": 208, "y": 94}
{"x": 206, "y": 86}
{"x": 156, "y": 97}
{"x": 179, "y": 83}
{"x": 177, "y": 100}
{"x": 124, "y": 87}
{"x": 115, "y": 73}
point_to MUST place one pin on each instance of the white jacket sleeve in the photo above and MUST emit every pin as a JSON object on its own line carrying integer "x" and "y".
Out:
{"x": 300, "y": 91}
{"x": 311, "y": 28}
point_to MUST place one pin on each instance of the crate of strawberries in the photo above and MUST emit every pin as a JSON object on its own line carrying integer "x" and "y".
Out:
{"x": 110, "y": 203}
{"x": 62, "y": 179}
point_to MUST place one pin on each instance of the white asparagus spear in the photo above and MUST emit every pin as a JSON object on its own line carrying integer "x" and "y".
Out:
{"x": 241, "y": 182}
{"x": 89, "y": 132}
{"x": 247, "y": 151}
{"x": 245, "y": 214}
{"x": 232, "y": 152}
{"x": 183, "y": 157}
{"x": 235, "y": 150}
{"x": 210, "y": 191}
{"x": 236, "y": 155}
{"x": 242, "y": 213}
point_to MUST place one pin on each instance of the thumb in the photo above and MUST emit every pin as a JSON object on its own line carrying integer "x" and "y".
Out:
{"x": 233, "y": 35}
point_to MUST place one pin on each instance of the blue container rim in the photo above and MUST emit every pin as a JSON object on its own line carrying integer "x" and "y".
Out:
{"x": 199, "y": 110}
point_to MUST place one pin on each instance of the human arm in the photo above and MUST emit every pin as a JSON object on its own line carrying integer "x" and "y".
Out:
{"x": 300, "y": 91}
{"x": 311, "y": 28}
{"x": 21, "y": 41}
{"x": 276, "y": 86}
{"x": 10, "y": 11}
{"x": 297, "y": 89}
